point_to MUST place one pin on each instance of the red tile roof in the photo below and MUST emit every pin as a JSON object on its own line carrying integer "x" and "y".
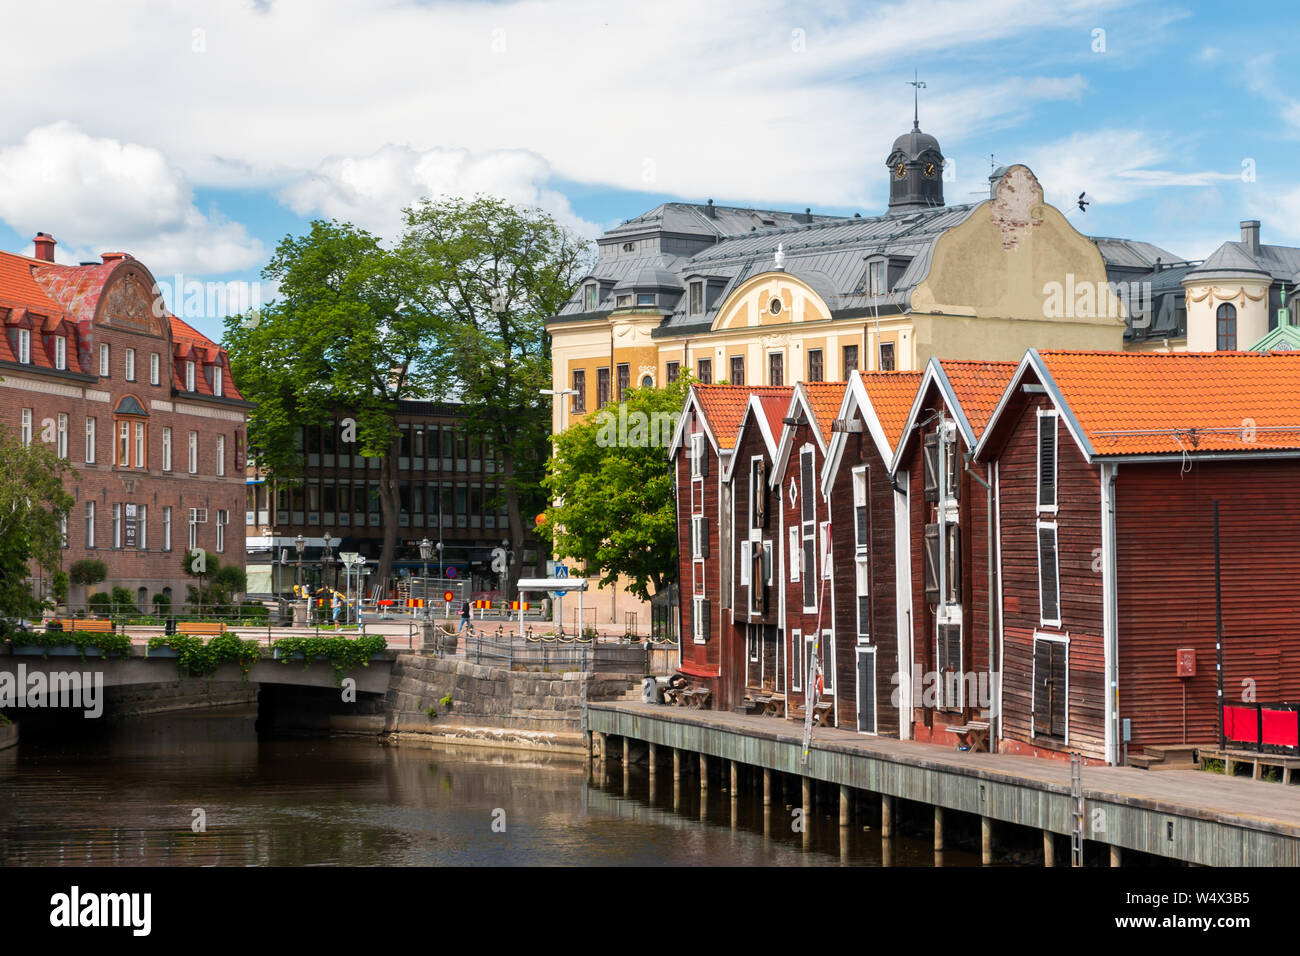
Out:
{"x": 892, "y": 394}
{"x": 724, "y": 408}
{"x": 1131, "y": 403}
{"x": 824, "y": 398}
{"x": 774, "y": 408}
{"x": 978, "y": 387}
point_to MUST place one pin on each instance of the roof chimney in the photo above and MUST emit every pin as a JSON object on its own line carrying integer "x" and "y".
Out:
{"x": 1250, "y": 235}
{"x": 113, "y": 256}
{"x": 709, "y": 210}
{"x": 44, "y": 247}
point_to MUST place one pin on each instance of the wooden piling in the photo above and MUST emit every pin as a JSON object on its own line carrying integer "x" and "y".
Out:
{"x": 886, "y": 816}
{"x": 845, "y": 810}
{"x": 1115, "y": 856}
{"x": 767, "y": 787}
{"x": 938, "y": 829}
{"x": 1049, "y": 848}
{"x": 986, "y": 840}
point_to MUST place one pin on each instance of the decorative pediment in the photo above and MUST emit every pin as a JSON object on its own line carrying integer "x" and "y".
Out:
{"x": 129, "y": 304}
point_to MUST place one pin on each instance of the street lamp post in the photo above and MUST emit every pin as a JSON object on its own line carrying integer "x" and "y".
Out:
{"x": 300, "y": 545}
{"x": 327, "y": 558}
{"x": 426, "y": 549}
{"x": 439, "y": 547}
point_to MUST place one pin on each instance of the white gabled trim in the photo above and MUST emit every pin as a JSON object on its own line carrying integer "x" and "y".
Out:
{"x": 1033, "y": 362}
{"x": 1002, "y": 626}
{"x": 754, "y": 411}
{"x": 856, "y": 400}
{"x": 903, "y": 604}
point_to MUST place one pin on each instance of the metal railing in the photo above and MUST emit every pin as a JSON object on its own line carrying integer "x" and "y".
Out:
{"x": 610, "y": 656}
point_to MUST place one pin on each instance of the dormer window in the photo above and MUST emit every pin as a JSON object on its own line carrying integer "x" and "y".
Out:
{"x": 189, "y": 376}
{"x": 25, "y": 346}
{"x": 623, "y": 302}
{"x": 589, "y": 297}
{"x": 645, "y": 298}
{"x": 877, "y": 277}
{"x": 697, "y": 298}
{"x": 216, "y": 380}
{"x": 60, "y": 352}
{"x": 629, "y": 246}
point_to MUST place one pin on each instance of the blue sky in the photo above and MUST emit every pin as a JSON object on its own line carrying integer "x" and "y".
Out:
{"x": 197, "y": 138}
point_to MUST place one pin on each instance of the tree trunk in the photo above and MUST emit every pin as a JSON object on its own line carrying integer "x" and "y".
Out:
{"x": 388, "y": 510}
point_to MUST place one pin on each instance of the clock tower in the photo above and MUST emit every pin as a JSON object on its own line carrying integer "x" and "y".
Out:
{"x": 915, "y": 170}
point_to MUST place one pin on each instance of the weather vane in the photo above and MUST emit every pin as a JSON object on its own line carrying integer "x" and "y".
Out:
{"x": 918, "y": 85}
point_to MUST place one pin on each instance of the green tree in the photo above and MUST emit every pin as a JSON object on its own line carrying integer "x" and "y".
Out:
{"x": 612, "y": 476}
{"x": 33, "y": 504}
{"x": 492, "y": 274}
{"x": 339, "y": 337}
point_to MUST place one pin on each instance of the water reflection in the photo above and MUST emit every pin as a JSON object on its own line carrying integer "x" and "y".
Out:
{"x": 127, "y": 796}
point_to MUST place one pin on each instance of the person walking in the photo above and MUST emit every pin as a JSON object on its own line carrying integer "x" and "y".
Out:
{"x": 337, "y": 604}
{"x": 464, "y": 618}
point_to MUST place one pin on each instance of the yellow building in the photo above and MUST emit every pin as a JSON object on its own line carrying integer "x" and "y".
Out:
{"x": 752, "y": 296}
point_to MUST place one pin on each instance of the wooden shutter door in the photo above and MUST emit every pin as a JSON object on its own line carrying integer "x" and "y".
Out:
{"x": 867, "y": 693}
{"x": 931, "y": 456}
{"x": 932, "y": 563}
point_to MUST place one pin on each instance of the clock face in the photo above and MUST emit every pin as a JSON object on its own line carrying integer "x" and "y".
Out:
{"x": 900, "y": 171}
{"x": 929, "y": 170}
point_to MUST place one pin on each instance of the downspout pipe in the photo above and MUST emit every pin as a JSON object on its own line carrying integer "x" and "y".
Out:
{"x": 988, "y": 508}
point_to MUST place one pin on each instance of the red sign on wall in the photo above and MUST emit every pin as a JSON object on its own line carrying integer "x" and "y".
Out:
{"x": 1186, "y": 662}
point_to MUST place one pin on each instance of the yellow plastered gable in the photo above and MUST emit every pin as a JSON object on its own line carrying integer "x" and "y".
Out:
{"x": 750, "y": 304}
{"x": 1017, "y": 257}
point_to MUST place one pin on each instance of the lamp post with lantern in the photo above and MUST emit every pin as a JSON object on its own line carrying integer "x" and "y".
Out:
{"x": 426, "y": 549}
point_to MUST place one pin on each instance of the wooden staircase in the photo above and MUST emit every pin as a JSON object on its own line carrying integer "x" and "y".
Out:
{"x": 1170, "y": 757}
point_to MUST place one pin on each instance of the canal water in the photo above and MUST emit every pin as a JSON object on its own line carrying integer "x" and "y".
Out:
{"x": 133, "y": 793}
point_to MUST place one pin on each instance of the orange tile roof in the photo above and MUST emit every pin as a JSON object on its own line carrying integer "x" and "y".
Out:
{"x": 774, "y": 408}
{"x": 724, "y": 407}
{"x": 1131, "y": 403}
{"x": 892, "y": 394}
{"x": 824, "y": 399}
{"x": 19, "y": 288}
{"x": 978, "y": 387}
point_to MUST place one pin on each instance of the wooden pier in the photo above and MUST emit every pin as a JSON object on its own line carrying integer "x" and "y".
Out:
{"x": 1185, "y": 815}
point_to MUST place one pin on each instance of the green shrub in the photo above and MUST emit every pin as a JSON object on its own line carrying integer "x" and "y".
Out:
{"x": 100, "y": 603}
{"x": 197, "y": 658}
{"x": 111, "y": 644}
{"x": 342, "y": 652}
{"x": 88, "y": 571}
{"x": 123, "y": 600}
{"x": 162, "y": 604}
{"x": 446, "y": 702}
{"x": 59, "y": 584}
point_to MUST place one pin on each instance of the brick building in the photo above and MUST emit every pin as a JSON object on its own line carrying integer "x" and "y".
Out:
{"x": 143, "y": 407}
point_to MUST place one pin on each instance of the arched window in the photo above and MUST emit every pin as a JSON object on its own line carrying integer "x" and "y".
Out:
{"x": 1226, "y": 319}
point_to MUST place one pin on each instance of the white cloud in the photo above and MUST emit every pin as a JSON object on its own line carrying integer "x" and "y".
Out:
{"x": 98, "y": 195}
{"x": 372, "y": 190}
{"x": 1114, "y": 166}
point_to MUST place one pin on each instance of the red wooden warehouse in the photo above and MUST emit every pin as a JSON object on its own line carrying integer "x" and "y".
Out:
{"x": 1108, "y": 468}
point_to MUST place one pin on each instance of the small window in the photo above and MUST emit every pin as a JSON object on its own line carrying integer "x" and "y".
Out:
{"x": 745, "y": 567}
{"x": 1226, "y": 319}
{"x": 645, "y": 298}
{"x": 189, "y": 376}
{"x": 672, "y": 372}
{"x": 775, "y": 306}
{"x": 816, "y": 368}
{"x": 850, "y": 360}
{"x": 589, "y": 297}
{"x": 25, "y": 346}
{"x": 624, "y": 379}
{"x": 697, "y": 298}
{"x": 797, "y": 648}
{"x": 167, "y": 449}
{"x": 62, "y": 437}
{"x": 90, "y": 441}
{"x": 60, "y": 353}
{"x": 793, "y": 555}
{"x": 699, "y": 456}
{"x": 103, "y": 361}
{"x": 1047, "y": 430}
{"x": 886, "y": 356}
{"x": 153, "y": 368}
{"x": 861, "y": 540}
{"x": 948, "y": 654}
{"x": 194, "y": 453}
{"x": 700, "y": 619}
{"x": 737, "y": 370}
{"x": 776, "y": 368}
{"x": 1049, "y": 576}
{"x": 704, "y": 371}
{"x": 602, "y": 387}
{"x": 130, "y": 365}
{"x": 218, "y": 385}
{"x": 876, "y": 277}
{"x": 623, "y": 302}
{"x": 221, "y": 456}
{"x": 699, "y": 537}
{"x": 580, "y": 386}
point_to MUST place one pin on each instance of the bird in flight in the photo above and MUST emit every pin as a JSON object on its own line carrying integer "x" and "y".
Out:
{"x": 1083, "y": 203}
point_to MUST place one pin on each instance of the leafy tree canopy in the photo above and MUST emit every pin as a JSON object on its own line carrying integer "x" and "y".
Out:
{"x": 33, "y": 502}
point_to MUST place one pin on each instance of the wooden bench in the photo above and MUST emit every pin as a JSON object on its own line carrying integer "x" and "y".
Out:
{"x": 820, "y": 710}
{"x": 675, "y": 696}
{"x": 697, "y": 697}
{"x": 973, "y": 735}
{"x": 773, "y": 705}
{"x": 97, "y": 625}
{"x": 201, "y": 628}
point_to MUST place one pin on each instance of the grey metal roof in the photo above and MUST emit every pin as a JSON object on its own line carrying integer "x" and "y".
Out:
{"x": 1233, "y": 257}
{"x": 1132, "y": 253}
{"x": 695, "y": 218}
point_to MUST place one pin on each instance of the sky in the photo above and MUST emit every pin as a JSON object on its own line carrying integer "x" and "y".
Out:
{"x": 197, "y": 136}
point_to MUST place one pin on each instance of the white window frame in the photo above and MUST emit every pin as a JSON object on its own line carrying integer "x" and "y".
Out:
{"x": 117, "y": 526}
{"x": 61, "y": 352}
{"x": 90, "y": 524}
{"x": 828, "y": 662}
{"x": 826, "y": 549}
{"x": 139, "y": 445}
{"x": 861, "y": 548}
{"x": 1056, "y": 463}
{"x": 590, "y": 297}
{"x": 167, "y": 448}
{"x": 755, "y": 634}
{"x": 1040, "y": 526}
{"x": 194, "y": 531}
{"x": 167, "y": 528}
{"x": 697, "y": 619}
{"x": 768, "y": 563}
{"x": 154, "y": 368}
{"x": 218, "y": 384}
{"x": 25, "y": 426}
{"x": 875, "y": 288}
{"x": 105, "y": 368}
{"x": 193, "y": 457}
{"x": 142, "y": 527}
{"x": 746, "y": 565}
{"x": 62, "y": 436}
{"x": 697, "y": 454}
{"x": 129, "y": 372}
{"x": 862, "y": 588}
{"x": 796, "y": 673}
{"x": 221, "y": 456}
{"x": 25, "y": 346}
{"x": 122, "y": 444}
{"x": 808, "y": 529}
{"x": 795, "y": 554}
{"x": 90, "y": 440}
{"x": 1033, "y": 681}
{"x": 223, "y": 518}
{"x": 861, "y": 650}
{"x": 189, "y": 376}
{"x": 697, "y": 537}
{"x": 695, "y": 287}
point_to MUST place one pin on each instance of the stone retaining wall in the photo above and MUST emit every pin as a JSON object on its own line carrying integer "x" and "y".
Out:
{"x": 190, "y": 694}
